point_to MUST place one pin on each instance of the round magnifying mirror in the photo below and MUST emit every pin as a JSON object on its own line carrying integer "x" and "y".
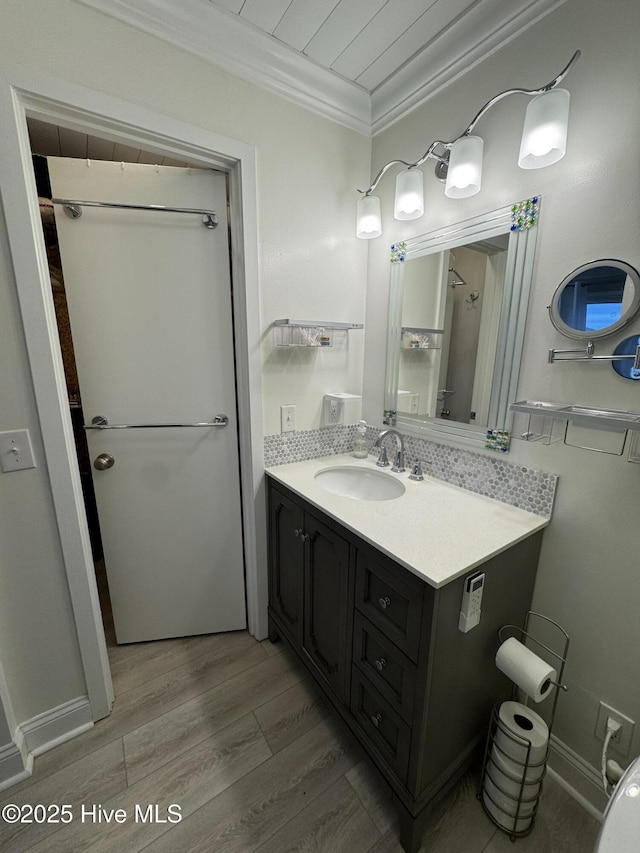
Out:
{"x": 596, "y": 299}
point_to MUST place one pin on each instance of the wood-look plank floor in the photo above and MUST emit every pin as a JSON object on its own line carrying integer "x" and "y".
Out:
{"x": 232, "y": 732}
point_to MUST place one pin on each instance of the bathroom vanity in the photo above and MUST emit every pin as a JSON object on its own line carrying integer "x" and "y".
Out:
{"x": 368, "y": 595}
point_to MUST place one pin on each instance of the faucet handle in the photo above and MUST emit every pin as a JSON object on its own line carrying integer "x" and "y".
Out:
{"x": 383, "y": 460}
{"x": 416, "y": 472}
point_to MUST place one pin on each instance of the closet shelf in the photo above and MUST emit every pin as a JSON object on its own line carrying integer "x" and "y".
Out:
{"x": 311, "y": 333}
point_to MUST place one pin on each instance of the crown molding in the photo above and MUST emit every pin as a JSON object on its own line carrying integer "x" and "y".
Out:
{"x": 453, "y": 53}
{"x": 208, "y": 32}
{"x": 218, "y": 37}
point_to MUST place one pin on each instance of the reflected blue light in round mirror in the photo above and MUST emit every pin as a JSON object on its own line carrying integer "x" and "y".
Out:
{"x": 625, "y": 368}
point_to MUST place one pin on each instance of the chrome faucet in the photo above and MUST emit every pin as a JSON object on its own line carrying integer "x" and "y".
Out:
{"x": 382, "y": 462}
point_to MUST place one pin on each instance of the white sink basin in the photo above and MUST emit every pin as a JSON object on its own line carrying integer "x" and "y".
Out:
{"x": 361, "y": 484}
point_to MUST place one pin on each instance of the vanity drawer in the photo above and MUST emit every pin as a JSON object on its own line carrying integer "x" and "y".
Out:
{"x": 386, "y": 730}
{"x": 391, "y": 600}
{"x": 386, "y": 667}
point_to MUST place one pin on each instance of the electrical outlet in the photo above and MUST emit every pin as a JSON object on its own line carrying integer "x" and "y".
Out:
{"x": 621, "y": 741}
{"x": 287, "y": 418}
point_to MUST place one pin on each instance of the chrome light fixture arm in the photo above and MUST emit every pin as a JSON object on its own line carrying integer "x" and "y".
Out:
{"x": 428, "y": 153}
{"x": 444, "y": 158}
{"x": 531, "y": 92}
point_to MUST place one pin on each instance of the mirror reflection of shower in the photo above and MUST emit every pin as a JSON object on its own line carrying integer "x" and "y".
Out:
{"x": 455, "y": 279}
{"x": 458, "y": 291}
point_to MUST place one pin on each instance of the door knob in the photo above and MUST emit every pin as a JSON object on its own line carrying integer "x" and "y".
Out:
{"x": 104, "y": 461}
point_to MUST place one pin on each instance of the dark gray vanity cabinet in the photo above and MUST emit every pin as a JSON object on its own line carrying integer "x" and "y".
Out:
{"x": 385, "y": 647}
{"x": 310, "y": 587}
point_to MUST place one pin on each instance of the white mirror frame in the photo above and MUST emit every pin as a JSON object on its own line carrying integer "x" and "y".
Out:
{"x": 513, "y": 316}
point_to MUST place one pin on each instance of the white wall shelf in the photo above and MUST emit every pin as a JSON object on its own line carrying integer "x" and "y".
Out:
{"x": 601, "y": 430}
{"x": 311, "y": 333}
{"x": 611, "y": 419}
{"x": 419, "y": 338}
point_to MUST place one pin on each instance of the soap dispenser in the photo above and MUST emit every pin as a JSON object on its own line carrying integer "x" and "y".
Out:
{"x": 360, "y": 446}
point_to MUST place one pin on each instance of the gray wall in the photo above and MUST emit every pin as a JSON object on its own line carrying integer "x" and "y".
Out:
{"x": 589, "y": 574}
{"x": 307, "y": 168}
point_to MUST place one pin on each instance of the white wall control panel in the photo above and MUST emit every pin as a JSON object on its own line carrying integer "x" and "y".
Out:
{"x": 471, "y": 602}
{"x": 15, "y": 450}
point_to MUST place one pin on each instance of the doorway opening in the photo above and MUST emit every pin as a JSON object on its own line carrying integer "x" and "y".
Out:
{"x": 40, "y": 132}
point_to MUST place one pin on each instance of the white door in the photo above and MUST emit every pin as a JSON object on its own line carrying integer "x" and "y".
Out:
{"x": 150, "y": 308}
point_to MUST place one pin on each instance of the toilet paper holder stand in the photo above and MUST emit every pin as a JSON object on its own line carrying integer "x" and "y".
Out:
{"x": 522, "y": 809}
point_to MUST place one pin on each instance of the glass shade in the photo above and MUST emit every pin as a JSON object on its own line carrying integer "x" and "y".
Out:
{"x": 544, "y": 137}
{"x": 464, "y": 175}
{"x": 369, "y": 222}
{"x": 409, "y": 203}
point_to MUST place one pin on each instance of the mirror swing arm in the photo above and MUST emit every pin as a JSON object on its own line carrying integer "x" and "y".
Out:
{"x": 518, "y": 222}
{"x": 587, "y": 354}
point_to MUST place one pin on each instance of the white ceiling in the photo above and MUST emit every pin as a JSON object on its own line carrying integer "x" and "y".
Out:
{"x": 49, "y": 140}
{"x": 364, "y": 63}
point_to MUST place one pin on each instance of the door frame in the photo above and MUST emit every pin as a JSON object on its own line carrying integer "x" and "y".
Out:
{"x": 25, "y": 93}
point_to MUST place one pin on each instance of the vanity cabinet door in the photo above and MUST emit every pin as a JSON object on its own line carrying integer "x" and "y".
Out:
{"x": 287, "y": 561}
{"x": 326, "y": 601}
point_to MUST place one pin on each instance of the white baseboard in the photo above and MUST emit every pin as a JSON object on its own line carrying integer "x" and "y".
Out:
{"x": 40, "y": 734}
{"x": 14, "y": 767}
{"x": 577, "y": 777}
{"x": 56, "y": 726}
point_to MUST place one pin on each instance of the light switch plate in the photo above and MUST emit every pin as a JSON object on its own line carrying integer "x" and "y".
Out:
{"x": 287, "y": 418}
{"x": 16, "y": 452}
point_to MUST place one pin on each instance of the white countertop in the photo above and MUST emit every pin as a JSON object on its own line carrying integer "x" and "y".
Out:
{"x": 436, "y": 530}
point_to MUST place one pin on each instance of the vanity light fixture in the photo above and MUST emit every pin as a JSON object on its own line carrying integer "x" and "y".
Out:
{"x": 459, "y": 162}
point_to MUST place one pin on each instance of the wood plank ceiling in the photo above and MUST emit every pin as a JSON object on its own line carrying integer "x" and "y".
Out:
{"x": 49, "y": 140}
{"x": 365, "y": 43}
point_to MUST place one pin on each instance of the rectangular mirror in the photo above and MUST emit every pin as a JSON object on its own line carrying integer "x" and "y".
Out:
{"x": 457, "y": 312}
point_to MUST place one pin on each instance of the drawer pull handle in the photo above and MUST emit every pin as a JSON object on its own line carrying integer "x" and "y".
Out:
{"x": 380, "y": 664}
{"x": 376, "y": 719}
{"x": 385, "y": 602}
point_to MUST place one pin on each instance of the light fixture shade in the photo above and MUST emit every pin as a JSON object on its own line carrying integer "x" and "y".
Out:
{"x": 409, "y": 203}
{"x": 544, "y": 137}
{"x": 369, "y": 221}
{"x": 464, "y": 175}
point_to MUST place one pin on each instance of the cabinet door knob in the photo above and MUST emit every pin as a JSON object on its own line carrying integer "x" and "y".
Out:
{"x": 304, "y": 536}
{"x": 380, "y": 664}
{"x": 376, "y": 719}
{"x": 385, "y": 602}
{"x": 297, "y": 531}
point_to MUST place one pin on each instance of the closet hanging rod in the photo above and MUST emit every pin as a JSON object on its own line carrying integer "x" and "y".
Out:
{"x": 73, "y": 208}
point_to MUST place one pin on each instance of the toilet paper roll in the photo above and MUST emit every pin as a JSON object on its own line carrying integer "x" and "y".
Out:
{"x": 523, "y": 736}
{"x": 504, "y": 811}
{"x": 508, "y": 773}
{"x": 518, "y": 753}
{"x": 529, "y": 672}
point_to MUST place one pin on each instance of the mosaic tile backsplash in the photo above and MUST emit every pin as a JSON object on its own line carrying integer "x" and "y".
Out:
{"x": 494, "y": 477}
